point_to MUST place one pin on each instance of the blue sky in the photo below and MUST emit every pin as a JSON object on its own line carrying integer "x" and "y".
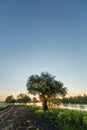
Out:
{"x": 37, "y": 36}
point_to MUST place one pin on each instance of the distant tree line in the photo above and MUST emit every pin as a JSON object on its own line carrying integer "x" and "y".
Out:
{"x": 21, "y": 98}
{"x": 10, "y": 99}
{"x": 76, "y": 99}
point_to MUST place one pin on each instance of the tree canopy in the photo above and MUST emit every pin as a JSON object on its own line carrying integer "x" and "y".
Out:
{"x": 10, "y": 99}
{"x": 23, "y": 98}
{"x": 46, "y": 86}
{"x": 76, "y": 99}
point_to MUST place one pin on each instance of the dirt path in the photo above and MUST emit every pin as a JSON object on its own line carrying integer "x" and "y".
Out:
{"x": 6, "y": 111}
{"x": 20, "y": 119}
{"x": 8, "y": 120}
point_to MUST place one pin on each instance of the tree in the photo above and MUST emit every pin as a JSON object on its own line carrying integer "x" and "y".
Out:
{"x": 23, "y": 98}
{"x": 10, "y": 99}
{"x": 46, "y": 86}
{"x": 76, "y": 99}
{"x": 35, "y": 100}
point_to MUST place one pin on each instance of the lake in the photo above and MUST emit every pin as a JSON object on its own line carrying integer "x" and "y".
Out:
{"x": 82, "y": 107}
{"x": 68, "y": 106}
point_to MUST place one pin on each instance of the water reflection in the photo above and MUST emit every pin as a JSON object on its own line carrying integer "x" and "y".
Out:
{"x": 74, "y": 106}
{"x": 82, "y": 107}
{"x": 68, "y": 106}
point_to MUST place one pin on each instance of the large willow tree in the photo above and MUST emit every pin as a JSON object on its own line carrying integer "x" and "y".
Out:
{"x": 46, "y": 87}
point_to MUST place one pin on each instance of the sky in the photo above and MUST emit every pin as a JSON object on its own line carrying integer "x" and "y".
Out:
{"x": 43, "y": 35}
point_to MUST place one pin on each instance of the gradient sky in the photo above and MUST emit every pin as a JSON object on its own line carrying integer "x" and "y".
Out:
{"x": 43, "y": 35}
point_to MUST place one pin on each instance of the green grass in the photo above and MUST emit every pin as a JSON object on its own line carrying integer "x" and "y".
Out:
{"x": 3, "y": 105}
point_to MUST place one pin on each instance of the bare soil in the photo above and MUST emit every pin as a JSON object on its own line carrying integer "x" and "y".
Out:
{"x": 20, "y": 119}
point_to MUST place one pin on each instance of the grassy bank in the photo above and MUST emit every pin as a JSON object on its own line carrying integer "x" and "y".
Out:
{"x": 63, "y": 118}
{"x": 3, "y": 105}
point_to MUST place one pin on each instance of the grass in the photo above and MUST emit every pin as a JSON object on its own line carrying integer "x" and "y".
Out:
{"x": 3, "y": 105}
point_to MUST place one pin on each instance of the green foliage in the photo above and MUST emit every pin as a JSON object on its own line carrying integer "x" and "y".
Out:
{"x": 76, "y": 99}
{"x": 85, "y": 119}
{"x": 63, "y": 118}
{"x": 10, "y": 99}
{"x": 33, "y": 108}
{"x": 23, "y": 98}
{"x": 46, "y": 87}
{"x": 45, "y": 84}
{"x": 3, "y": 105}
{"x": 68, "y": 119}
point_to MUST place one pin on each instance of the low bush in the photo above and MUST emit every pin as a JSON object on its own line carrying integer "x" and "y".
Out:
{"x": 68, "y": 119}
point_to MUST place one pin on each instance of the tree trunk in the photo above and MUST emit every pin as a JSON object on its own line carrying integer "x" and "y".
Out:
{"x": 45, "y": 107}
